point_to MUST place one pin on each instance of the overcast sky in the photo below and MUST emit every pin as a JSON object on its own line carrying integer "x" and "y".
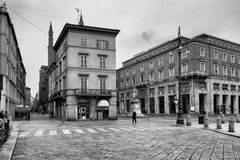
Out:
{"x": 142, "y": 24}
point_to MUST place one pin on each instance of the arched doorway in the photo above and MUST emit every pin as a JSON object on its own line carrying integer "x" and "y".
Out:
{"x": 102, "y": 109}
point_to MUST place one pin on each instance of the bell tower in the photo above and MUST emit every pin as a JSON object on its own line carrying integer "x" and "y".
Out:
{"x": 51, "y": 55}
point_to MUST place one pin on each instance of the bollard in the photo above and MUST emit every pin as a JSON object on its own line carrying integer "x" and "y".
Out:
{"x": 223, "y": 119}
{"x": 188, "y": 119}
{"x": 231, "y": 125}
{"x": 206, "y": 121}
{"x": 219, "y": 122}
{"x": 238, "y": 118}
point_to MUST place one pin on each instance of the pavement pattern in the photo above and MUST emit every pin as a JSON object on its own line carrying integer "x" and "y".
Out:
{"x": 150, "y": 138}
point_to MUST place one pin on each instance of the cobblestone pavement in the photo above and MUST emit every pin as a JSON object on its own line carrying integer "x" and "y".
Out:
{"x": 154, "y": 138}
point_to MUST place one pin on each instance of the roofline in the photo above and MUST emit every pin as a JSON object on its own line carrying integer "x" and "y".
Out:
{"x": 68, "y": 26}
{"x": 209, "y": 35}
{"x": 155, "y": 47}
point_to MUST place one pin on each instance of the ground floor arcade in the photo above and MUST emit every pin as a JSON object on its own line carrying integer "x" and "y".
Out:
{"x": 198, "y": 95}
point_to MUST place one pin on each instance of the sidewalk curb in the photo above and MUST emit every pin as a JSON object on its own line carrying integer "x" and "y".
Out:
{"x": 7, "y": 149}
{"x": 222, "y": 132}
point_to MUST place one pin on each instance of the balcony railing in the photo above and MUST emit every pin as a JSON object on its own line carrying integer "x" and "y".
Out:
{"x": 81, "y": 92}
{"x": 93, "y": 92}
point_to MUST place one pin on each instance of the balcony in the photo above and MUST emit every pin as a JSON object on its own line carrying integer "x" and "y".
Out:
{"x": 80, "y": 92}
{"x": 93, "y": 92}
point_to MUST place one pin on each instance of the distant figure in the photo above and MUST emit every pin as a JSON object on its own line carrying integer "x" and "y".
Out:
{"x": 134, "y": 117}
{"x": 28, "y": 116}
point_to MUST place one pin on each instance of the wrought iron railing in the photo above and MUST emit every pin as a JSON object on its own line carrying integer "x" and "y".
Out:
{"x": 93, "y": 92}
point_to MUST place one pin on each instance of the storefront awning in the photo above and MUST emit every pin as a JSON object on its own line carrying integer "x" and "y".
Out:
{"x": 103, "y": 105}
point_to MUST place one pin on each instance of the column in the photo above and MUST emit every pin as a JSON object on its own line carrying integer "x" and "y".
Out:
{"x": 228, "y": 103}
{"x": 196, "y": 101}
{"x": 93, "y": 111}
{"x": 166, "y": 100}
{"x": 208, "y": 104}
{"x": 156, "y": 103}
{"x": 236, "y": 109}
{"x": 71, "y": 105}
{"x": 113, "y": 106}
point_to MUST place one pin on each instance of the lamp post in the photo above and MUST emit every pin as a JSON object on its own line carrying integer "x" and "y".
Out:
{"x": 180, "y": 120}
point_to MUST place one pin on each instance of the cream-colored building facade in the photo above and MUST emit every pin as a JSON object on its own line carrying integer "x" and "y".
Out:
{"x": 82, "y": 81}
{"x": 12, "y": 70}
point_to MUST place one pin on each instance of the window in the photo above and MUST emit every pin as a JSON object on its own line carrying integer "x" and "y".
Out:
{"x": 215, "y": 54}
{"x": 160, "y": 62}
{"x": 83, "y": 42}
{"x": 141, "y": 68}
{"x": 83, "y": 83}
{"x": 134, "y": 71}
{"x": 121, "y": 83}
{"x": 151, "y": 76}
{"x": 102, "y": 62}
{"x": 127, "y": 73}
{"x": 121, "y": 75}
{"x": 171, "y": 57}
{"x": 160, "y": 74}
{"x": 224, "y": 56}
{"x": 184, "y": 68}
{"x": 133, "y": 80}
{"x": 225, "y": 70}
{"x": 202, "y": 66}
{"x": 83, "y": 61}
{"x": 232, "y": 71}
{"x": 64, "y": 83}
{"x": 232, "y": 58}
{"x": 238, "y": 72}
{"x": 171, "y": 71}
{"x": 216, "y": 69}
{"x": 216, "y": 86}
{"x": 202, "y": 52}
{"x": 60, "y": 67}
{"x": 238, "y": 59}
{"x": 151, "y": 64}
{"x": 127, "y": 82}
{"x": 102, "y": 83}
{"x": 102, "y": 44}
{"x": 184, "y": 53}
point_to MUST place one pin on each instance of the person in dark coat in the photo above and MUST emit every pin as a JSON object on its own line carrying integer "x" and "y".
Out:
{"x": 28, "y": 116}
{"x": 134, "y": 117}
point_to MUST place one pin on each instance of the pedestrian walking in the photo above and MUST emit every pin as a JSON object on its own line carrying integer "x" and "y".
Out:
{"x": 134, "y": 117}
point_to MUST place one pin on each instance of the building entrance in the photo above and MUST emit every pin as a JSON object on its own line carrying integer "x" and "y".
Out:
{"x": 143, "y": 110}
{"x": 151, "y": 105}
{"x": 161, "y": 104}
{"x": 172, "y": 106}
{"x": 201, "y": 103}
{"x": 216, "y": 104}
{"x": 186, "y": 103}
{"x": 83, "y": 112}
{"x": 231, "y": 109}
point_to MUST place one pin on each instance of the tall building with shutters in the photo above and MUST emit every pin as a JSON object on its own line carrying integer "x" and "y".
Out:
{"x": 210, "y": 74}
{"x": 12, "y": 70}
{"x": 82, "y": 80}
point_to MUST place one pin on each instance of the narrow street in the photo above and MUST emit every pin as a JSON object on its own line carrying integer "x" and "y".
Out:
{"x": 150, "y": 138}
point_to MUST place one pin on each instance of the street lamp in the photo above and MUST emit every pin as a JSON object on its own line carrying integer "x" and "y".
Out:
{"x": 180, "y": 120}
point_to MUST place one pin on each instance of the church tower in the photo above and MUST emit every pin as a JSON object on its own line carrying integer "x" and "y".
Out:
{"x": 51, "y": 55}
